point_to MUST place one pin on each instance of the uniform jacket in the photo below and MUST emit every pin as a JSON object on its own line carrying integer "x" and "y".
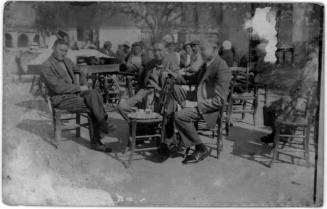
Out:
{"x": 58, "y": 82}
{"x": 213, "y": 89}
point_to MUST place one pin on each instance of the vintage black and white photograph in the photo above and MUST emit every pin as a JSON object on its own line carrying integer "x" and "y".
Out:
{"x": 163, "y": 104}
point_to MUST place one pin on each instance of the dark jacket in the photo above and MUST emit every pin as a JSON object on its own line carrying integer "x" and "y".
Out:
{"x": 213, "y": 89}
{"x": 57, "y": 81}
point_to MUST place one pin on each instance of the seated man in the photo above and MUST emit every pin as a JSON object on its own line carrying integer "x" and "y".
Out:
{"x": 106, "y": 49}
{"x": 290, "y": 107}
{"x": 153, "y": 77}
{"x": 58, "y": 76}
{"x": 212, "y": 90}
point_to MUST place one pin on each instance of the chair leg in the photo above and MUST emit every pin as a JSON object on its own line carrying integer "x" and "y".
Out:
{"x": 132, "y": 146}
{"x": 255, "y": 109}
{"x": 219, "y": 141}
{"x": 276, "y": 144}
{"x": 306, "y": 146}
{"x": 57, "y": 126}
{"x": 91, "y": 128}
{"x": 229, "y": 115}
{"x": 78, "y": 123}
{"x": 244, "y": 106}
{"x": 33, "y": 84}
{"x": 266, "y": 94}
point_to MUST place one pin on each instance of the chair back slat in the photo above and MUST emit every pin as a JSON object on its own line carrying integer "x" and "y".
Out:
{"x": 241, "y": 77}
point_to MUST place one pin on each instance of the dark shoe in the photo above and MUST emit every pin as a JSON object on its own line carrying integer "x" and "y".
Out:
{"x": 100, "y": 147}
{"x": 197, "y": 156}
{"x": 163, "y": 150}
{"x": 107, "y": 127}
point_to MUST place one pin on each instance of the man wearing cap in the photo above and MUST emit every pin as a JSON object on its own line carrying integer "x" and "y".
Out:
{"x": 212, "y": 90}
{"x": 153, "y": 76}
{"x": 150, "y": 77}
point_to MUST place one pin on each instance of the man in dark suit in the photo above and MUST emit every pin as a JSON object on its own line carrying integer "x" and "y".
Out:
{"x": 67, "y": 94}
{"x": 212, "y": 90}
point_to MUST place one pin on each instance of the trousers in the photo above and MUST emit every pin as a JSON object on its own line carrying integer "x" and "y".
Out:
{"x": 88, "y": 101}
{"x": 184, "y": 121}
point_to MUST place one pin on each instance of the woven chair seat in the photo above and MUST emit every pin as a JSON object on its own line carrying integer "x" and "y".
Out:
{"x": 297, "y": 121}
{"x": 69, "y": 112}
{"x": 246, "y": 95}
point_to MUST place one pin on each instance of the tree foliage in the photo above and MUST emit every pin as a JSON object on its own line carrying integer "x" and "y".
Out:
{"x": 159, "y": 18}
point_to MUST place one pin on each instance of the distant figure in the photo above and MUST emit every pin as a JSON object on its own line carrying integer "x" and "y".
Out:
{"x": 106, "y": 49}
{"x": 185, "y": 56}
{"x": 75, "y": 46}
{"x": 196, "y": 58}
{"x": 227, "y": 52}
{"x": 134, "y": 60}
{"x": 122, "y": 52}
{"x": 171, "y": 59}
{"x": 147, "y": 54}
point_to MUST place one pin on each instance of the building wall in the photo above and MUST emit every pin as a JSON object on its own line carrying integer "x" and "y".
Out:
{"x": 15, "y": 37}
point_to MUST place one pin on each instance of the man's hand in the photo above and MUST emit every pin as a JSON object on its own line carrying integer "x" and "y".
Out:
{"x": 84, "y": 88}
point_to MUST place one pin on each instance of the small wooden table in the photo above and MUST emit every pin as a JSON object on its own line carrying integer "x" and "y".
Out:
{"x": 133, "y": 122}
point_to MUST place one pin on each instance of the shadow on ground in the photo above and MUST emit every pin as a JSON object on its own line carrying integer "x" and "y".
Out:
{"x": 34, "y": 104}
{"x": 247, "y": 145}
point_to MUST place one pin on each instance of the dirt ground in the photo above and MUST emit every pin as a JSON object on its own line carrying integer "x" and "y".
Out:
{"x": 36, "y": 173}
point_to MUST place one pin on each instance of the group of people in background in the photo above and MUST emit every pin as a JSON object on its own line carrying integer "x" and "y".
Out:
{"x": 185, "y": 56}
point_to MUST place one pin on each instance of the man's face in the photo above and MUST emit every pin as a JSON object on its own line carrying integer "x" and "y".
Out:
{"x": 159, "y": 51}
{"x": 188, "y": 49}
{"x": 207, "y": 52}
{"x": 195, "y": 48}
{"x": 60, "y": 51}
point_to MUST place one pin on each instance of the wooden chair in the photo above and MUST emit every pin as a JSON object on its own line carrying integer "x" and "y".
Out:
{"x": 133, "y": 136}
{"x": 60, "y": 117}
{"x": 247, "y": 95}
{"x": 263, "y": 86}
{"x": 302, "y": 124}
{"x": 217, "y": 131}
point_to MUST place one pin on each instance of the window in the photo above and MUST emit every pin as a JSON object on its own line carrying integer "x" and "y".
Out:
{"x": 22, "y": 40}
{"x": 8, "y": 40}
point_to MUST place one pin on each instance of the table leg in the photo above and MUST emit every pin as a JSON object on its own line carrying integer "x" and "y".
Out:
{"x": 132, "y": 145}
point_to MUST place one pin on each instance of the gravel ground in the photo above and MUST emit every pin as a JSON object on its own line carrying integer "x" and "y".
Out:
{"x": 36, "y": 173}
